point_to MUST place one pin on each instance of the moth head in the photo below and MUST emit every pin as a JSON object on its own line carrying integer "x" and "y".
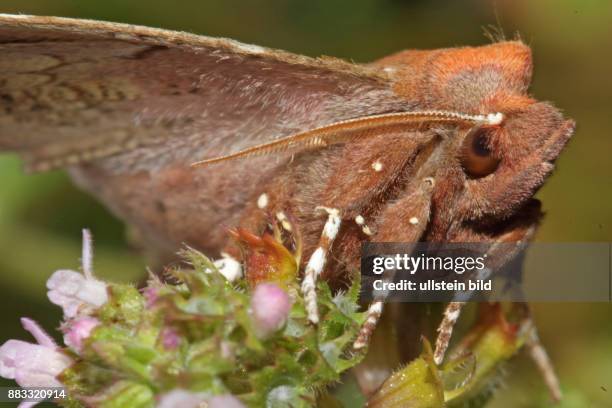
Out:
{"x": 501, "y": 167}
{"x": 492, "y": 171}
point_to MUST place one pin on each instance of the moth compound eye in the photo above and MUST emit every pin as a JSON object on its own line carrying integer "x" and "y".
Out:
{"x": 476, "y": 157}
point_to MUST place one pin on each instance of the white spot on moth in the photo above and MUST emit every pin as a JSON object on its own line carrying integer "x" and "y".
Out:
{"x": 495, "y": 118}
{"x": 430, "y": 180}
{"x": 413, "y": 220}
{"x": 282, "y": 218}
{"x": 262, "y": 201}
{"x": 359, "y": 220}
{"x": 377, "y": 166}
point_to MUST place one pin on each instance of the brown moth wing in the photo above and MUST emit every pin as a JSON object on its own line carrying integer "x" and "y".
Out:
{"x": 129, "y": 108}
{"x": 74, "y": 90}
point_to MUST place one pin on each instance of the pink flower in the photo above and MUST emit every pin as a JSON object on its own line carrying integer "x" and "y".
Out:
{"x": 270, "y": 306}
{"x": 181, "y": 399}
{"x": 187, "y": 399}
{"x": 170, "y": 338}
{"x": 27, "y": 404}
{"x": 33, "y": 365}
{"x": 225, "y": 401}
{"x": 151, "y": 294}
{"x": 79, "y": 329}
{"x": 74, "y": 292}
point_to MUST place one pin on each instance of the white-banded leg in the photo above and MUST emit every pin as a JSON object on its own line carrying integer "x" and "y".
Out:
{"x": 373, "y": 313}
{"x": 372, "y": 317}
{"x": 540, "y": 357}
{"x": 451, "y": 315}
{"x": 445, "y": 329}
{"x": 317, "y": 261}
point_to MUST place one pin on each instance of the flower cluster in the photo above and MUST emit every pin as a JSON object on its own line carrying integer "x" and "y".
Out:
{"x": 78, "y": 294}
{"x": 207, "y": 339}
{"x": 215, "y": 338}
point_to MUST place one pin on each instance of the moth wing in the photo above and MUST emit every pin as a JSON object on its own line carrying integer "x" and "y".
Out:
{"x": 72, "y": 91}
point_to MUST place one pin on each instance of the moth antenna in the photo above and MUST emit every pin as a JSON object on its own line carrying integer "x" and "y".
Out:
{"x": 340, "y": 132}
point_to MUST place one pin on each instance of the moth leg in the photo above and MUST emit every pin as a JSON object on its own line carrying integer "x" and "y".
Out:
{"x": 317, "y": 261}
{"x": 373, "y": 316}
{"x": 403, "y": 221}
{"x": 540, "y": 357}
{"x": 445, "y": 329}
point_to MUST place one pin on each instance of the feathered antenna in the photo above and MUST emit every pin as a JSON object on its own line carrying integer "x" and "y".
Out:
{"x": 340, "y": 132}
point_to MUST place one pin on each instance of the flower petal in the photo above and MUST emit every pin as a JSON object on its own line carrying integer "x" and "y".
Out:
{"x": 27, "y": 404}
{"x": 41, "y": 336}
{"x": 181, "y": 399}
{"x": 270, "y": 306}
{"x": 87, "y": 255}
{"x": 8, "y": 353}
{"x": 225, "y": 401}
{"x": 32, "y": 365}
{"x": 39, "y": 367}
{"x": 78, "y": 330}
{"x": 72, "y": 291}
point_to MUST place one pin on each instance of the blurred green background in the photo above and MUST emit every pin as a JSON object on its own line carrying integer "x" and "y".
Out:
{"x": 41, "y": 215}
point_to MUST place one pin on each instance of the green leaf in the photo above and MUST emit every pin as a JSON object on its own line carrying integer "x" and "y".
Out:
{"x": 418, "y": 385}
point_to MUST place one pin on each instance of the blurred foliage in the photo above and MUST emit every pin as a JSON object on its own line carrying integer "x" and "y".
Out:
{"x": 41, "y": 215}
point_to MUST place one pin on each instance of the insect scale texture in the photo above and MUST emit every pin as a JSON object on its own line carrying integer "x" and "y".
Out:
{"x": 128, "y": 109}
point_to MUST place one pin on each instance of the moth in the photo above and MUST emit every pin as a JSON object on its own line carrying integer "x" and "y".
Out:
{"x": 183, "y": 135}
